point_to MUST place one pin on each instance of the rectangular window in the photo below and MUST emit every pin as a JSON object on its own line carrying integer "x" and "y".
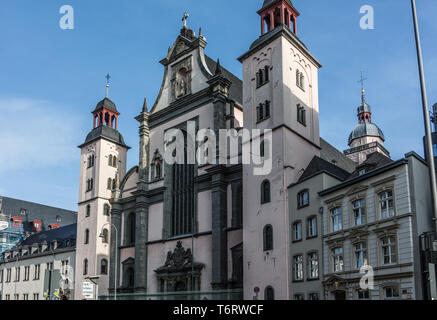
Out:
{"x": 25, "y": 296}
{"x": 314, "y": 296}
{"x": 363, "y": 294}
{"x": 26, "y": 273}
{"x": 389, "y": 254}
{"x": 386, "y": 206}
{"x": 303, "y": 199}
{"x": 337, "y": 219}
{"x": 263, "y": 111}
{"x": 37, "y": 272}
{"x": 17, "y": 274}
{"x": 16, "y": 297}
{"x": 391, "y": 293}
{"x": 8, "y": 297}
{"x": 359, "y": 213}
{"x": 312, "y": 227}
{"x": 36, "y": 296}
{"x": 361, "y": 255}
{"x": 298, "y": 268}
{"x": 313, "y": 264}
{"x": 299, "y": 297}
{"x": 301, "y": 115}
{"x": 338, "y": 260}
{"x": 8, "y": 275}
{"x": 297, "y": 231}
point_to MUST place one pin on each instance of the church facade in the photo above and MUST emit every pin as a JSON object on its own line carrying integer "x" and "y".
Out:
{"x": 213, "y": 230}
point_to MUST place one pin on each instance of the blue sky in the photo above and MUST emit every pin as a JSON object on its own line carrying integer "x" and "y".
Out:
{"x": 51, "y": 79}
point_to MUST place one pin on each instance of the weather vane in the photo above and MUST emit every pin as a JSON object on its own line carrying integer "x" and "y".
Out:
{"x": 185, "y": 18}
{"x": 108, "y": 77}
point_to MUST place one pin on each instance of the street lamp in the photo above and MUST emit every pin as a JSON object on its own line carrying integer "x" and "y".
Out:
{"x": 102, "y": 235}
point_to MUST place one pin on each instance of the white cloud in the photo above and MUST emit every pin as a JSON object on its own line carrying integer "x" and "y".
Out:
{"x": 36, "y": 134}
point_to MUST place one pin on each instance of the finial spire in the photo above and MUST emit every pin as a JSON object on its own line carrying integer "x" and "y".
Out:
{"x": 218, "y": 68}
{"x": 363, "y": 91}
{"x": 108, "y": 77}
{"x": 185, "y": 18}
{"x": 145, "y": 106}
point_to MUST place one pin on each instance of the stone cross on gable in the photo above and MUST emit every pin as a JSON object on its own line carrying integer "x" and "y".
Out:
{"x": 185, "y": 18}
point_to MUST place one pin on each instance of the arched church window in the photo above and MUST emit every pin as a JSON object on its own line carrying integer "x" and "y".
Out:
{"x": 266, "y": 74}
{"x": 106, "y": 210}
{"x": 104, "y": 267}
{"x": 114, "y": 162}
{"x": 262, "y": 149}
{"x": 298, "y": 78}
{"x": 87, "y": 236}
{"x": 88, "y": 211}
{"x": 105, "y": 238}
{"x": 267, "y": 109}
{"x": 265, "y": 192}
{"x": 109, "y": 186}
{"x": 110, "y": 160}
{"x": 114, "y": 184}
{"x": 131, "y": 228}
{"x": 85, "y": 267}
{"x": 268, "y": 238}
{"x": 269, "y": 293}
{"x": 302, "y": 81}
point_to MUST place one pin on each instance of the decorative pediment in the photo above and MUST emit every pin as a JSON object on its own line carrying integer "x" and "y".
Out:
{"x": 357, "y": 191}
{"x": 387, "y": 230}
{"x": 358, "y": 235}
{"x": 335, "y": 281}
{"x": 335, "y": 243}
{"x": 180, "y": 260}
{"x": 128, "y": 261}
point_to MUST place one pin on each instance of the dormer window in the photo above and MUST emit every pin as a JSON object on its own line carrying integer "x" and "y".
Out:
{"x": 262, "y": 76}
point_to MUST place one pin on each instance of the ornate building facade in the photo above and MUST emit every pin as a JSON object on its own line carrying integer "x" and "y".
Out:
{"x": 219, "y": 230}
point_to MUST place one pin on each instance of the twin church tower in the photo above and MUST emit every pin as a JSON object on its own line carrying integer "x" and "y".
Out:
{"x": 164, "y": 229}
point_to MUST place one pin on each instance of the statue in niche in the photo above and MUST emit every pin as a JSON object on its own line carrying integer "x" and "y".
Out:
{"x": 181, "y": 83}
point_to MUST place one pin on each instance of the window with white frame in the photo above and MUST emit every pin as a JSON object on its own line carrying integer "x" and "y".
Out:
{"x": 303, "y": 199}
{"x": 313, "y": 265}
{"x": 26, "y": 273}
{"x": 336, "y": 220}
{"x": 360, "y": 255}
{"x": 337, "y": 260}
{"x": 298, "y": 268}
{"x": 391, "y": 293}
{"x": 389, "y": 250}
{"x": 386, "y": 205}
{"x": 17, "y": 274}
{"x": 37, "y": 272}
{"x": 359, "y": 212}
{"x": 312, "y": 227}
{"x": 297, "y": 231}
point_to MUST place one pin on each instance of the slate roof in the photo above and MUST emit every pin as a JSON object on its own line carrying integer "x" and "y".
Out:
{"x": 374, "y": 161}
{"x": 105, "y": 132}
{"x": 332, "y": 155}
{"x": 236, "y": 89}
{"x": 65, "y": 233}
{"x": 269, "y": 2}
{"x": 107, "y": 103}
{"x": 366, "y": 130}
{"x": 45, "y": 214}
{"x": 318, "y": 165}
